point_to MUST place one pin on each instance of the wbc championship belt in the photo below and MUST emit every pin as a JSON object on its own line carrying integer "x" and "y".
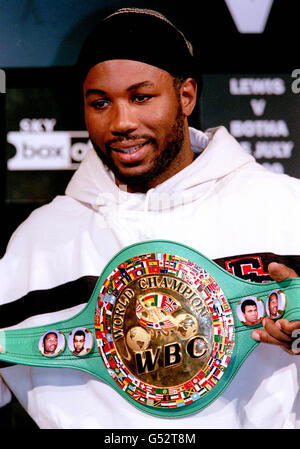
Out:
{"x": 166, "y": 327}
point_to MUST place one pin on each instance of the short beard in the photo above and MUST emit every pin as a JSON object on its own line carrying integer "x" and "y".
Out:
{"x": 172, "y": 146}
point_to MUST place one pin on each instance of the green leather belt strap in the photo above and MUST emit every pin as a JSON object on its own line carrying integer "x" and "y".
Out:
{"x": 165, "y": 327}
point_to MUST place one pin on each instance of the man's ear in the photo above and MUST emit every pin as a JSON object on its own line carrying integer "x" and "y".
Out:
{"x": 188, "y": 95}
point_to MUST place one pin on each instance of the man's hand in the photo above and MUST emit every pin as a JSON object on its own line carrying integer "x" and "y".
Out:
{"x": 279, "y": 332}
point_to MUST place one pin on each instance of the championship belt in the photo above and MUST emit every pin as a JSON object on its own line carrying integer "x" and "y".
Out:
{"x": 166, "y": 327}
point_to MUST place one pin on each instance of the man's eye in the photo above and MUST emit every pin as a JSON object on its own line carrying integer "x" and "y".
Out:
{"x": 141, "y": 98}
{"x": 99, "y": 104}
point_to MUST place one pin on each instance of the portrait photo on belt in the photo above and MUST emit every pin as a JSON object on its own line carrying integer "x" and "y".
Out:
{"x": 119, "y": 305}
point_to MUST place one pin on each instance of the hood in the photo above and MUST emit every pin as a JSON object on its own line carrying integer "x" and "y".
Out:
{"x": 219, "y": 154}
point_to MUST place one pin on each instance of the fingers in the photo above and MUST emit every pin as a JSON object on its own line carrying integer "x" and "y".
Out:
{"x": 288, "y": 326}
{"x": 279, "y": 272}
{"x": 280, "y": 333}
{"x": 272, "y": 333}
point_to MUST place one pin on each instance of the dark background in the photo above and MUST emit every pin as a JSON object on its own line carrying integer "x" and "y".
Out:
{"x": 39, "y": 44}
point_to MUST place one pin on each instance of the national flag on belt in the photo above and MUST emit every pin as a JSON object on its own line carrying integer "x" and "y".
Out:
{"x": 209, "y": 362}
{"x": 212, "y": 382}
{"x": 169, "y": 304}
{"x": 123, "y": 265}
{"x": 218, "y": 374}
{"x": 205, "y": 295}
{"x": 174, "y": 396}
{"x": 150, "y": 300}
{"x": 147, "y": 387}
{"x": 172, "y": 265}
{"x": 151, "y": 396}
{"x": 207, "y": 387}
{"x": 109, "y": 347}
{"x": 215, "y": 350}
{"x": 136, "y": 395}
{"x": 159, "y": 396}
{"x": 213, "y": 286}
{"x": 133, "y": 379}
{"x": 123, "y": 374}
{"x": 209, "y": 302}
{"x": 124, "y": 275}
{"x": 160, "y": 259}
{"x": 145, "y": 323}
{"x": 109, "y": 299}
{"x": 225, "y": 361}
{"x": 182, "y": 394}
{"x": 140, "y": 271}
{"x": 156, "y": 403}
{"x": 145, "y": 267}
{"x": 217, "y": 362}
{"x": 189, "y": 391}
{"x": 130, "y": 271}
{"x": 188, "y": 384}
{"x": 195, "y": 396}
{"x": 197, "y": 387}
{"x": 173, "y": 390}
{"x": 111, "y": 361}
{"x": 197, "y": 379}
{"x": 230, "y": 321}
{"x": 226, "y": 305}
{"x": 172, "y": 404}
{"x": 110, "y": 289}
{"x": 106, "y": 319}
{"x": 109, "y": 307}
{"x": 162, "y": 391}
{"x": 222, "y": 347}
{"x": 105, "y": 285}
{"x": 217, "y": 338}
{"x": 97, "y": 321}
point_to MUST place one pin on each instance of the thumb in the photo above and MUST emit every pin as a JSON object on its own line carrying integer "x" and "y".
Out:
{"x": 279, "y": 272}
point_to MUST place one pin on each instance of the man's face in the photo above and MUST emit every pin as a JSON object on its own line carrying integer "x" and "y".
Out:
{"x": 251, "y": 314}
{"x": 135, "y": 121}
{"x": 78, "y": 343}
{"x": 50, "y": 344}
{"x": 273, "y": 305}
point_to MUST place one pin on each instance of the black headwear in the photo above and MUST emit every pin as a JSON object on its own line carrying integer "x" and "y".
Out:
{"x": 140, "y": 35}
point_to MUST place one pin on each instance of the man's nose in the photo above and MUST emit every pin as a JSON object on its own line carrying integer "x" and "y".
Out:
{"x": 123, "y": 119}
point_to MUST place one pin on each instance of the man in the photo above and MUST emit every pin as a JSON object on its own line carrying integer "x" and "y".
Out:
{"x": 50, "y": 344}
{"x": 79, "y": 342}
{"x": 273, "y": 306}
{"x": 250, "y": 312}
{"x": 149, "y": 176}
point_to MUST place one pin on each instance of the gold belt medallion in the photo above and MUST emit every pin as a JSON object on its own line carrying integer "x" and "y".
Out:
{"x": 164, "y": 329}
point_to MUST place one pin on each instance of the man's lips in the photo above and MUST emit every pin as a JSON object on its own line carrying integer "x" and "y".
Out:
{"x": 128, "y": 146}
{"x": 130, "y": 151}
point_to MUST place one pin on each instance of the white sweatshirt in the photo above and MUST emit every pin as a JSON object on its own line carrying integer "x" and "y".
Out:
{"x": 224, "y": 205}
